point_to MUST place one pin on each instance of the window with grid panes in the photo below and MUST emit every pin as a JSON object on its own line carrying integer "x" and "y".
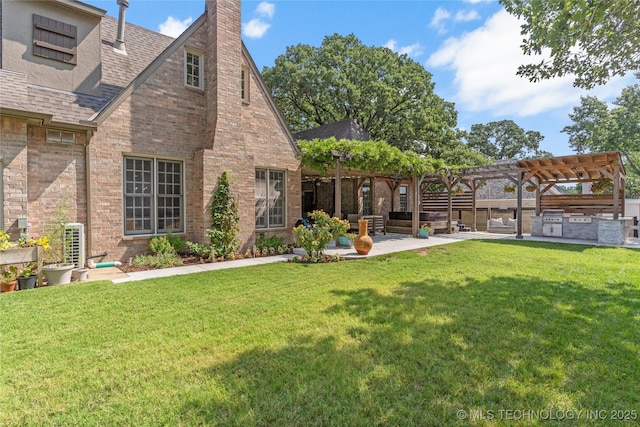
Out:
{"x": 153, "y": 196}
{"x": 270, "y": 198}
{"x": 193, "y": 70}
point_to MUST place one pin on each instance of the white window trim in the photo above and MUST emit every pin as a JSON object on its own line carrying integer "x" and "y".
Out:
{"x": 154, "y": 196}
{"x": 200, "y": 69}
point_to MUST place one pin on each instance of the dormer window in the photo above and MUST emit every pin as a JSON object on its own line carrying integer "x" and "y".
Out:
{"x": 193, "y": 69}
{"x": 55, "y": 40}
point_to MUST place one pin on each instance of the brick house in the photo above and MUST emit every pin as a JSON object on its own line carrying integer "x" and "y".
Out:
{"x": 134, "y": 128}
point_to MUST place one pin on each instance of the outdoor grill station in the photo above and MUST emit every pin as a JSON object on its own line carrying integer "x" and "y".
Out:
{"x": 593, "y": 217}
{"x": 597, "y": 217}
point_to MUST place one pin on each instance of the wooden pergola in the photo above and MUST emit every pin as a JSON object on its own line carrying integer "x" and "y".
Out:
{"x": 544, "y": 173}
{"x": 547, "y": 172}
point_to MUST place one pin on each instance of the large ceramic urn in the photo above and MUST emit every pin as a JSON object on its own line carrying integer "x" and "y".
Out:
{"x": 363, "y": 242}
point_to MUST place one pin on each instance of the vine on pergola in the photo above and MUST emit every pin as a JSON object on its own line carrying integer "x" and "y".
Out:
{"x": 375, "y": 157}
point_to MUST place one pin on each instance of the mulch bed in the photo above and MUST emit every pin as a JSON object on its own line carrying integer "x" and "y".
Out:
{"x": 186, "y": 260}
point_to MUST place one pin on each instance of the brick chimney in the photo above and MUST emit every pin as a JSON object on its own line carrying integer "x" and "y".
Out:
{"x": 223, "y": 69}
{"x": 224, "y": 147}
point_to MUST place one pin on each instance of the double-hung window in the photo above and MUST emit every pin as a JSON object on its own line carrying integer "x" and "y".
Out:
{"x": 153, "y": 196}
{"x": 270, "y": 198}
{"x": 193, "y": 67}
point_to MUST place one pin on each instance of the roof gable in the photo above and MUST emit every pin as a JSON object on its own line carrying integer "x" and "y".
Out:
{"x": 150, "y": 69}
{"x": 344, "y": 129}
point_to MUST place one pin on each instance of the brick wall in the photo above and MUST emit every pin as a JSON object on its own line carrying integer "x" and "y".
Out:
{"x": 37, "y": 175}
{"x": 163, "y": 119}
{"x": 13, "y": 154}
{"x": 211, "y": 131}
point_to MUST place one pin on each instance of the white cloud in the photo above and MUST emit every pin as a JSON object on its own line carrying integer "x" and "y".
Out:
{"x": 440, "y": 15}
{"x": 485, "y": 62}
{"x": 466, "y": 16}
{"x": 412, "y": 51}
{"x": 255, "y": 28}
{"x": 391, "y": 44}
{"x": 173, "y": 27}
{"x": 265, "y": 9}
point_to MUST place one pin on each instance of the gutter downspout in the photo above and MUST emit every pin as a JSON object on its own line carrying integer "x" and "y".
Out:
{"x": 87, "y": 167}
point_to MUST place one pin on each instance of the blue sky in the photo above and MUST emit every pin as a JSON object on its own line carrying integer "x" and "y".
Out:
{"x": 470, "y": 46}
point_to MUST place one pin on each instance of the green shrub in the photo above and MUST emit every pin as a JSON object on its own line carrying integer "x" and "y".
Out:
{"x": 270, "y": 242}
{"x": 161, "y": 260}
{"x": 203, "y": 251}
{"x": 315, "y": 239}
{"x": 176, "y": 241}
{"x": 160, "y": 245}
{"x": 224, "y": 216}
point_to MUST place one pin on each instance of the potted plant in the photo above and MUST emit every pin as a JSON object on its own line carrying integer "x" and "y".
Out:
{"x": 8, "y": 278}
{"x": 509, "y": 188}
{"x": 602, "y": 186}
{"x": 424, "y": 231}
{"x": 531, "y": 187}
{"x": 27, "y": 278}
{"x": 346, "y": 239}
{"x": 59, "y": 268}
{"x": 5, "y": 243}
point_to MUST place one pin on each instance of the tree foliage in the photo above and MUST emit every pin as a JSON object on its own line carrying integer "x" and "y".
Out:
{"x": 596, "y": 127}
{"x": 505, "y": 140}
{"x": 369, "y": 156}
{"x": 591, "y": 39}
{"x": 389, "y": 95}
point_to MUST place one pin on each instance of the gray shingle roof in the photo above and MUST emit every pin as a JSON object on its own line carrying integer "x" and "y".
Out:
{"x": 142, "y": 45}
{"x": 118, "y": 70}
{"x": 344, "y": 129}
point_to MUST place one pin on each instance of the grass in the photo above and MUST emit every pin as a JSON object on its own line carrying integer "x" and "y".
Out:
{"x": 407, "y": 339}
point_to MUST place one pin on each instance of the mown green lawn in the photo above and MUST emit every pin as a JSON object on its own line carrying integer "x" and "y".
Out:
{"x": 457, "y": 335}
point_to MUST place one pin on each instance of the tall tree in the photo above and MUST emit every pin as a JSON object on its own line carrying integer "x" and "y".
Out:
{"x": 390, "y": 95}
{"x": 505, "y": 140}
{"x": 596, "y": 127}
{"x": 591, "y": 39}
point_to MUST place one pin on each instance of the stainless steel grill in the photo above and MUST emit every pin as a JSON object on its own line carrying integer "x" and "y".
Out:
{"x": 552, "y": 215}
{"x": 552, "y": 222}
